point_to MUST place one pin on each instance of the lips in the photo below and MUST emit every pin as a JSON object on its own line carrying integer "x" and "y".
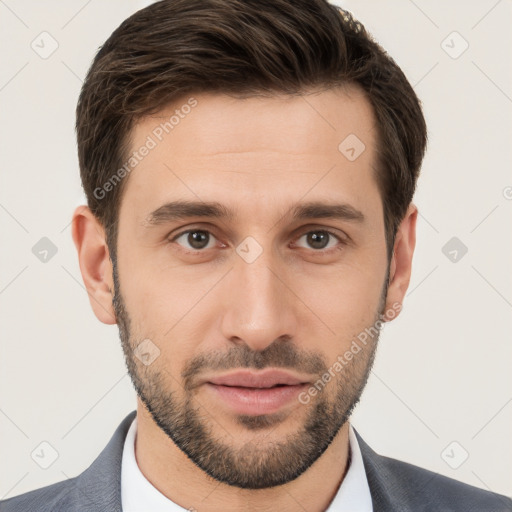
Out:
{"x": 256, "y": 393}
{"x": 262, "y": 379}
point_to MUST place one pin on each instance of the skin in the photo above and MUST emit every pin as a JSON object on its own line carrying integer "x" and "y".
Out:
{"x": 257, "y": 156}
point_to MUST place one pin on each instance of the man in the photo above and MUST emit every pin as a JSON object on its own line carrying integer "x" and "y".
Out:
{"x": 249, "y": 169}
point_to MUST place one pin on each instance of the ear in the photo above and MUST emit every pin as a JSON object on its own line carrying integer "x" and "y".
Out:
{"x": 401, "y": 261}
{"x": 95, "y": 264}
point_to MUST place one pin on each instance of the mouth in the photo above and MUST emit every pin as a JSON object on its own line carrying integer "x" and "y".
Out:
{"x": 256, "y": 393}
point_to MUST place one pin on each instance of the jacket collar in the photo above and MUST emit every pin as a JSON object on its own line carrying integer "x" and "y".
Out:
{"x": 382, "y": 480}
{"x": 99, "y": 486}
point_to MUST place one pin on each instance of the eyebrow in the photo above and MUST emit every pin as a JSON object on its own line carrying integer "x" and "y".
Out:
{"x": 182, "y": 210}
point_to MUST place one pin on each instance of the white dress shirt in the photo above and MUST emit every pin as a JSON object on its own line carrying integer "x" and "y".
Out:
{"x": 139, "y": 495}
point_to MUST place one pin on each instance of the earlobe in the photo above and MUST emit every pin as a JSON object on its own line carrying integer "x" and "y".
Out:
{"x": 95, "y": 265}
{"x": 401, "y": 262}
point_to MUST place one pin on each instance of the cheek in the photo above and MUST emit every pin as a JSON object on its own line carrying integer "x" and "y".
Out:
{"x": 346, "y": 301}
{"x": 166, "y": 305}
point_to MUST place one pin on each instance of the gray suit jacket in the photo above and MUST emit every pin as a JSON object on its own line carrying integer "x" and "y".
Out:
{"x": 395, "y": 487}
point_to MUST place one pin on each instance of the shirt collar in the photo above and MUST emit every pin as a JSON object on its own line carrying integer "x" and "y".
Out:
{"x": 139, "y": 495}
{"x": 354, "y": 492}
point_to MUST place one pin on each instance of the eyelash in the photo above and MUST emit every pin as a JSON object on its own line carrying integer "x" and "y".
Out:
{"x": 317, "y": 230}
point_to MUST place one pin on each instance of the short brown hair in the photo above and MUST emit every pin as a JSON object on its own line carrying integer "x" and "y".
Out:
{"x": 251, "y": 47}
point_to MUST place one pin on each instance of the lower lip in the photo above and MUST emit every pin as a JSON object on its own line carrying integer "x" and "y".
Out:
{"x": 256, "y": 401}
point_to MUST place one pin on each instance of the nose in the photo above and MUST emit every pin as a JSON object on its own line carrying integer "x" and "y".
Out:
{"x": 260, "y": 307}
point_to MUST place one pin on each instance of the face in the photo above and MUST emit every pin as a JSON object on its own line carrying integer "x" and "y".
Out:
{"x": 251, "y": 255}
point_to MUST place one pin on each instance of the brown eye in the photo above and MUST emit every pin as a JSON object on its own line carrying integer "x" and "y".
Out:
{"x": 195, "y": 239}
{"x": 320, "y": 239}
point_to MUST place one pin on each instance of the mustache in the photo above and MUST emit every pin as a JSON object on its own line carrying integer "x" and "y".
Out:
{"x": 280, "y": 354}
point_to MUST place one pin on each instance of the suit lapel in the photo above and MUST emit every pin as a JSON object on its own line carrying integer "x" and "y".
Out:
{"x": 98, "y": 488}
{"x": 385, "y": 488}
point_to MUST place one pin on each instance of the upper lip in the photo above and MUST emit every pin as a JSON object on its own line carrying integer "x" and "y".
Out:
{"x": 261, "y": 379}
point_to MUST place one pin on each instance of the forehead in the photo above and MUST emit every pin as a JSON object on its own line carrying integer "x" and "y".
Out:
{"x": 254, "y": 150}
{"x": 219, "y": 122}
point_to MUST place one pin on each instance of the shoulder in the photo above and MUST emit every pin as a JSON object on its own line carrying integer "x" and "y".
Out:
{"x": 52, "y": 498}
{"x": 98, "y": 488}
{"x": 442, "y": 493}
{"x": 401, "y": 486}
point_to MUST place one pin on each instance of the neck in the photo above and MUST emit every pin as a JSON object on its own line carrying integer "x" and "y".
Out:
{"x": 168, "y": 469}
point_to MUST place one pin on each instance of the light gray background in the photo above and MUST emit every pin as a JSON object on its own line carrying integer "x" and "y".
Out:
{"x": 443, "y": 368}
